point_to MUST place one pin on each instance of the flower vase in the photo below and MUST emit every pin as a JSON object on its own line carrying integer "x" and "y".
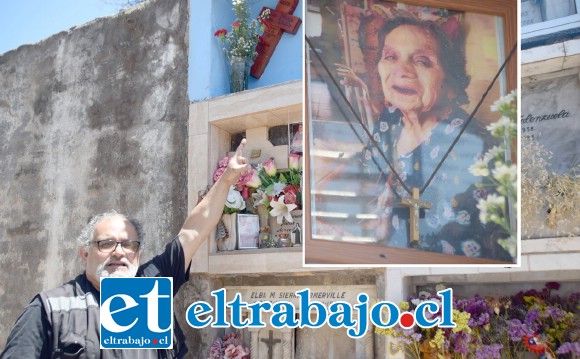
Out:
{"x": 239, "y": 73}
{"x": 228, "y": 243}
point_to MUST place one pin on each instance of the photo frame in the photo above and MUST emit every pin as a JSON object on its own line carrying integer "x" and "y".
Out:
{"x": 296, "y": 138}
{"x": 278, "y": 135}
{"x": 333, "y": 160}
{"x": 248, "y": 229}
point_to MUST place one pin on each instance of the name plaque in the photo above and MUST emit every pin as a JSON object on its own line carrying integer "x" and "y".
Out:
{"x": 323, "y": 294}
{"x": 550, "y": 111}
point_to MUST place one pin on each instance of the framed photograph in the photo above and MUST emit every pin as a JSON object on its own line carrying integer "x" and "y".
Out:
{"x": 248, "y": 229}
{"x": 296, "y": 136}
{"x": 278, "y": 135}
{"x": 390, "y": 131}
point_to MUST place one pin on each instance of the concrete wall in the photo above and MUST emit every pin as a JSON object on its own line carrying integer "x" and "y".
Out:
{"x": 90, "y": 119}
{"x": 208, "y": 68}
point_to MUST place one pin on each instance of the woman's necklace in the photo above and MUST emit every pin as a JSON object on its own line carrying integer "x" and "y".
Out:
{"x": 413, "y": 202}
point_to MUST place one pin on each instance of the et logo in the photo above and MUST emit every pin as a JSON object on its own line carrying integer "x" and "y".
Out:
{"x": 136, "y": 313}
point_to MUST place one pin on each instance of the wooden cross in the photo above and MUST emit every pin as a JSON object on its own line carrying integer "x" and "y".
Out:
{"x": 415, "y": 204}
{"x": 270, "y": 342}
{"x": 281, "y": 20}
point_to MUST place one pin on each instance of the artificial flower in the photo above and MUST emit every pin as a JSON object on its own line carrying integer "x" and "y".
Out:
{"x": 236, "y": 352}
{"x": 276, "y": 188}
{"x": 270, "y": 167}
{"x": 260, "y": 198}
{"x": 281, "y": 210}
{"x": 234, "y": 202}
{"x": 218, "y": 173}
{"x": 504, "y": 173}
{"x": 500, "y": 127}
{"x": 291, "y": 194}
{"x": 242, "y": 40}
{"x": 489, "y": 208}
{"x": 221, "y": 33}
{"x": 479, "y": 168}
{"x": 254, "y": 180}
{"x": 295, "y": 161}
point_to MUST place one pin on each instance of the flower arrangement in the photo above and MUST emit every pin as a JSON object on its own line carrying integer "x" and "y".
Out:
{"x": 238, "y": 193}
{"x": 497, "y": 167}
{"x": 245, "y": 34}
{"x": 279, "y": 192}
{"x": 264, "y": 187}
{"x": 229, "y": 347}
{"x": 488, "y": 328}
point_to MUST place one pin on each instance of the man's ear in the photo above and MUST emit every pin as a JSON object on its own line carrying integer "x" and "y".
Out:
{"x": 83, "y": 253}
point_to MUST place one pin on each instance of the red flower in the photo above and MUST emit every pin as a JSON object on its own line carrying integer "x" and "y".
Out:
{"x": 235, "y": 24}
{"x": 534, "y": 345}
{"x": 220, "y": 33}
{"x": 291, "y": 194}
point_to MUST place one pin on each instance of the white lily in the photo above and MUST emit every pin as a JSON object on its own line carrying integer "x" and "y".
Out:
{"x": 282, "y": 210}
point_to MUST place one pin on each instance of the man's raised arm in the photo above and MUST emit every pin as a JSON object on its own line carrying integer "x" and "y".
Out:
{"x": 205, "y": 216}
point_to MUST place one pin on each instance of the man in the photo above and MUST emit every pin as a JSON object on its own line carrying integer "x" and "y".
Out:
{"x": 64, "y": 322}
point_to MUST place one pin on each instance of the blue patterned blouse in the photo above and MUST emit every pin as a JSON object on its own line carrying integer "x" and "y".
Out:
{"x": 452, "y": 223}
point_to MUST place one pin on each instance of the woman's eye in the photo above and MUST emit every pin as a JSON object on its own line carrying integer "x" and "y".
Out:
{"x": 390, "y": 57}
{"x": 424, "y": 61}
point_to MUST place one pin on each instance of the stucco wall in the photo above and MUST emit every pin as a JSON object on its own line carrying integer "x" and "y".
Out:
{"x": 90, "y": 119}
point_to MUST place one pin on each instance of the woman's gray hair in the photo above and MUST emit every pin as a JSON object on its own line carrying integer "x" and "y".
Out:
{"x": 86, "y": 235}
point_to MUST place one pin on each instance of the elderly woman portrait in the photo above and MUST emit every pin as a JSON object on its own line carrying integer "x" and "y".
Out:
{"x": 412, "y": 98}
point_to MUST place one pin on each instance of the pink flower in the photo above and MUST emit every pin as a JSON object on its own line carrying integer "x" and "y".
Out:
{"x": 236, "y": 352}
{"x": 235, "y": 24}
{"x": 224, "y": 162}
{"x": 254, "y": 180}
{"x": 230, "y": 339}
{"x": 295, "y": 161}
{"x": 218, "y": 173}
{"x": 270, "y": 167}
{"x": 242, "y": 182}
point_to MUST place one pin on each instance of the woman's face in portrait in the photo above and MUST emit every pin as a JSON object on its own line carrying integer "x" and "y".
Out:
{"x": 411, "y": 74}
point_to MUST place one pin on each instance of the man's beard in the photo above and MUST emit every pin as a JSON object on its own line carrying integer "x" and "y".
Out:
{"x": 129, "y": 272}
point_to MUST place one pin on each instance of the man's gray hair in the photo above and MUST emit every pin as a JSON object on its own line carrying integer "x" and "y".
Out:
{"x": 86, "y": 235}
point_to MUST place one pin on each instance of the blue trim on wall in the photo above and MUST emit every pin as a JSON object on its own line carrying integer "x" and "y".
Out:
{"x": 208, "y": 68}
{"x": 550, "y": 38}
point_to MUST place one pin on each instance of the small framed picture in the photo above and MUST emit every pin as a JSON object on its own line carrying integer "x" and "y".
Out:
{"x": 278, "y": 135}
{"x": 248, "y": 229}
{"x": 296, "y": 137}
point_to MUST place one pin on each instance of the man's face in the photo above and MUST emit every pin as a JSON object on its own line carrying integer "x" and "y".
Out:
{"x": 118, "y": 263}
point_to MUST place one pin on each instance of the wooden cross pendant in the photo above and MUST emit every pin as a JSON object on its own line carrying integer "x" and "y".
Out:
{"x": 415, "y": 204}
{"x": 281, "y": 20}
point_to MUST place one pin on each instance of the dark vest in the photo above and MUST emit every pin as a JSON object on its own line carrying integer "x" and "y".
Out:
{"x": 73, "y": 313}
